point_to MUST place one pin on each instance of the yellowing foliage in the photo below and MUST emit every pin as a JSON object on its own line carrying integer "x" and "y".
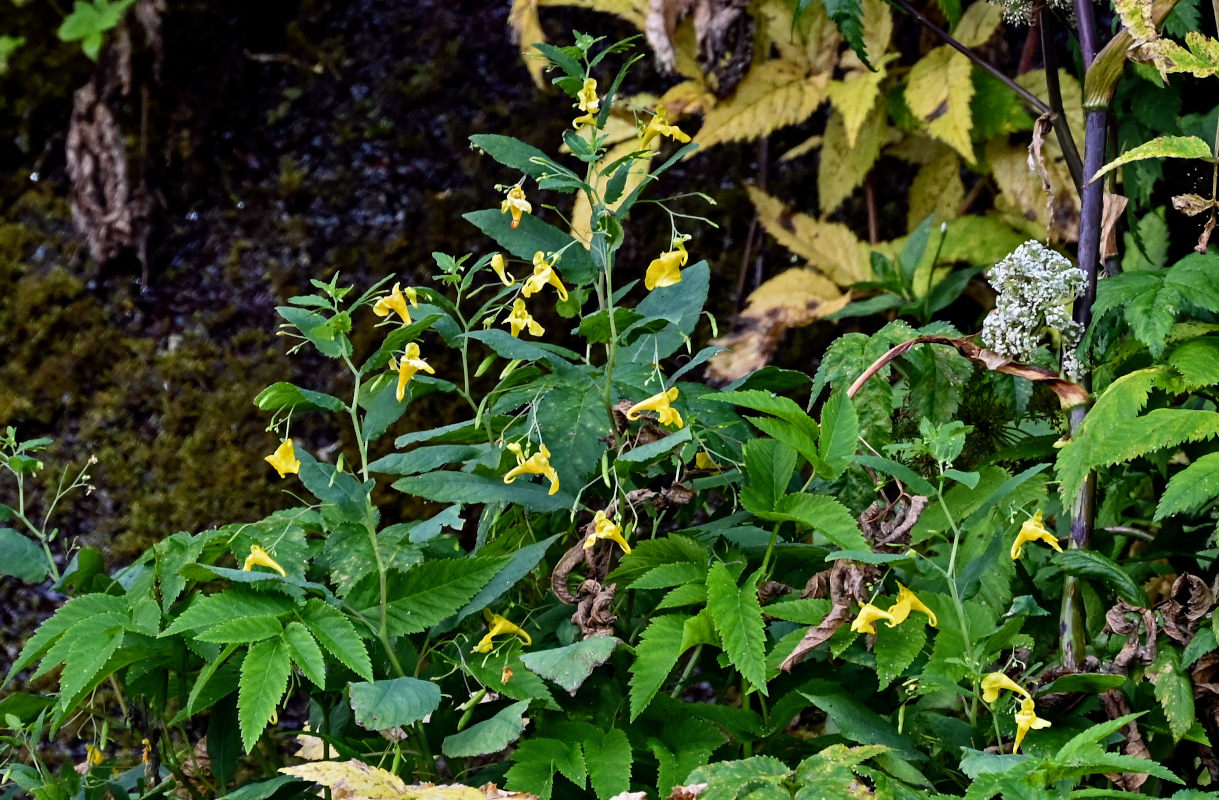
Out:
{"x": 773, "y": 94}
{"x": 581, "y": 212}
{"x": 844, "y": 166}
{"x": 978, "y": 24}
{"x": 939, "y": 91}
{"x": 828, "y": 246}
{"x": 523, "y": 19}
{"x": 351, "y": 780}
{"x": 855, "y": 95}
{"x": 937, "y": 188}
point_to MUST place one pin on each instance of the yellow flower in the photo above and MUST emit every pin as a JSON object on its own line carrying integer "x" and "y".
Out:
{"x": 284, "y": 459}
{"x": 520, "y": 319}
{"x": 396, "y": 300}
{"x": 665, "y": 413}
{"x": 658, "y": 126}
{"x": 1026, "y": 720}
{"x": 907, "y": 602}
{"x": 1033, "y": 531}
{"x": 703, "y": 460}
{"x": 993, "y": 682}
{"x": 664, "y": 271}
{"x": 499, "y": 627}
{"x": 606, "y": 528}
{"x": 497, "y": 264}
{"x": 258, "y": 557}
{"x": 517, "y": 204}
{"x": 536, "y": 464}
{"x": 94, "y": 756}
{"x": 408, "y": 366}
{"x": 867, "y": 615}
{"x": 543, "y": 273}
{"x": 588, "y": 102}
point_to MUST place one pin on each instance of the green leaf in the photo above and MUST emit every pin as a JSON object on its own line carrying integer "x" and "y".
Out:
{"x": 656, "y": 654}
{"x": 1191, "y": 488}
{"x": 667, "y": 575}
{"x": 1173, "y": 689}
{"x": 512, "y": 153}
{"x": 517, "y": 567}
{"x": 1090, "y": 564}
{"x": 398, "y": 339}
{"x": 426, "y": 459}
{"x": 91, "y": 642}
{"x": 264, "y": 679}
{"x": 572, "y": 422}
{"x": 208, "y": 610}
{"x": 290, "y": 396}
{"x": 653, "y": 450}
{"x": 595, "y": 327}
{"x": 913, "y": 481}
{"x": 681, "y": 305}
{"x": 782, "y": 407}
{"x": 70, "y": 614}
{"x": 336, "y": 633}
{"x": 855, "y": 720}
{"x": 570, "y": 666}
{"x": 434, "y": 590}
{"x": 737, "y": 616}
{"x": 1197, "y": 360}
{"x": 609, "y": 760}
{"x": 651, "y": 553}
{"x": 769, "y": 465}
{"x": 536, "y": 761}
{"x": 727, "y": 780}
{"x": 22, "y": 558}
{"x": 464, "y": 487}
{"x": 489, "y": 736}
{"x": 533, "y": 235}
{"x": 848, "y": 16}
{"x": 242, "y": 629}
{"x": 392, "y": 703}
{"x": 896, "y": 648}
{"x": 839, "y": 433}
{"x": 1162, "y": 147}
{"x": 511, "y": 347}
{"x": 822, "y": 514}
{"x": 303, "y": 649}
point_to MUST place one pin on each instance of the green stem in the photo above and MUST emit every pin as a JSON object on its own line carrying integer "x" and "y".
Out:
{"x": 971, "y": 703}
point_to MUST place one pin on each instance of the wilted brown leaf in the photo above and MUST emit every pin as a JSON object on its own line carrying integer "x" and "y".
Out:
{"x": 1193, "y": 204}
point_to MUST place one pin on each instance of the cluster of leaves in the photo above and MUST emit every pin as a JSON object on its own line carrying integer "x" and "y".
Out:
{"x": 733, "y": 548}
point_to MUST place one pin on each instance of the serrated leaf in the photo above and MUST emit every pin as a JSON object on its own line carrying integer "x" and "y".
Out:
{"x": 727, "y": 780}
{"x": 92, "y": 642}
{"x": 844, "y": 166}
{"x": 570, "y": 666}
{"x": 1174, "y": 690}
{"x": 769, "y": 465}
{"x": 854, "y": 97}
{"x": 1090, "y": 564}
{"x": 432, "y": 591}
{"x": 829, "y": 246}
{"x": 848, "y": 16}
{"x": 839, "y": 433}
{"x": 21, "y": 557}
{"x": 512, "y": 152}
{"x": 572, "y": 422}
{"x": 1191, "y": 488}
{"x": 489, "y": 736}
{"x": 352, "y": 779}
{"x": 532, "y": 235}
{"x": 772, "y": 95}
{"x": 336, "y": 633}
{"x": 656, "y": 654}
{"x": 447, "y": 486}
{"x": 665, "y": 576}
{"x": 653, "y": 450}
{"x": 737, "y": 616}
{"x": 784, "y": 408}
{"x": 392, "y": 703}
{"x": 937, "y": 189}
{"x": 820, "y": 513}
{"x": 283, "y": 395}
{"x": 939, "y": 89}
{"x": 305, "y": 653}
{"x": 536, "y": 761}
{"x": 264, "y": 678}
{"x": 1162, "y": 147}
{"x": 652, "y": 553}
{"x": 609, "y": 760}
{"x": 209, "y": 610}
{"x": 1197, "y": 360}
{"x": 896, "y": 648}
{"x": 242, "y": 629}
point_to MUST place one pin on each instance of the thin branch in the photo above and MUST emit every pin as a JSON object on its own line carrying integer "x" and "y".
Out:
{"x": 1062, "y": 127}
{"x": 1030, "y": 99}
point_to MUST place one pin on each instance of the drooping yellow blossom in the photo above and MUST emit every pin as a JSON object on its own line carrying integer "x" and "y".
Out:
{"x": 1027, "y": 720}
{"x": 409, "y": 364}
{"x": 665, "y": 270}
{"x": 1033, "y": 531}
{"x": 660, "y": 403}
{"x": 589, "y": 102}
{"x": 869, "y": 614}
{"x": 516, "y": 203}
{"x": 284, "y": 459}
{"x": 520, "y": 319}
{"x": 543, "y": 274}
{"x": 993, "y": 682}
{"x": 907, "y": 601}
{"x": 536, "y": 464}
{"x": 258, "y": 557}
{"x": 703, "y": 460}
{"x": 94, "y": 755}
{"x": 396, "y": 301}
{"x": 659, "y": 126}
{"x": 499, "y": 627}
{"x": 497, "y": 264}
{"x": 606, "y": 528}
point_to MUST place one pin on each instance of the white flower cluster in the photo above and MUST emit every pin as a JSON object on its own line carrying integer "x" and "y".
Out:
{"x": 1021, "y": 11}
{"x": 1036, "y": 288}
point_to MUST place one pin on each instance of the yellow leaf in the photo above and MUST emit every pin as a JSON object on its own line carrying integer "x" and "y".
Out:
{"x": 855, "y": 95}
{"x": 790, "y": 299}
{"x": 978, "y": 23}
{"x": 939, "y": 90}
{"x": 877, "y": 31}
{"x": 828, "y": 246}
{"x": 686, "y": 98}
{"x": 351, "y": 780}
{"x": 813, "y": 42}
{"x": 633, "y": 11}
{"x": 843, "y": 167}
{"x": 581, "y": 211}
{"x": 1023, "y": 204}
{"x": 1072, "y": 102}
{"x": 1136, "y": 17}
{"x": 527, "y": 29}
{"x": 774, "y": 94}
{"x": 937, "y": 188}
{"x": 807, "y": 146}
